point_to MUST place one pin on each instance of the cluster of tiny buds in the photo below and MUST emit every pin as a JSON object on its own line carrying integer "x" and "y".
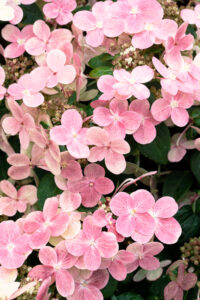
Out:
{"x": 191, "y": 251}
{"x": 171, "y": 10}
{"x": 105, "y": 205}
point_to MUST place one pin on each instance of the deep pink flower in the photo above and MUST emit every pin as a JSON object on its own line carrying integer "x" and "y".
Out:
{"x": 61, "y": 10}
{"x": 72, "y": 134}
{"x": 112, "y": 149}
{"x": 144, "y": 256}
{"x": 131, "y": 84}
{"x": 71, "y": 169}
{"x": 132, "y": 211}
{"x": 14, "y": 246}
{"x": 17, "y": 38}
{"x": 42, "y": 225}
{"x": 92, "y": 186}
{"x": 93, "y": 244}
{"x": 56, "y": 262}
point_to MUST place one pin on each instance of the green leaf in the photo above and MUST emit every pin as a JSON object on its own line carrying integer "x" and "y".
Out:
{"x": 80, "y": 8}
{"x": 97, "y": 72}
{"x": 177, "y": 184}
{"x": 189, "y": 221}
{"x": 128, "y": 296}
{"x": 195, "y": 165}
{"x": 46, "y": 189}
{"x": 3, "y": 166}
{"x": 159, "y": 148}
{"x": 110, "y": 288}
{"x": 87, "y": 209}
{"x": 104, "y": 59}
{"x": 32, "y": 13}
{"x": 195, "y": 115}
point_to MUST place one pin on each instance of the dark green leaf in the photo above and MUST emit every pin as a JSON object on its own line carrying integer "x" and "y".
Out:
{"x": 159, "y": 148}
{"x": 3, "y": 166}
{"x": 177, "y": 184}
{"x": 104, "y": 59}
{"x": 195, "y": 165}
{"x": 127, "y": 296}
{"x": 87, "y": 209}
{"x": 110, "y": 288}
{"x": 46, "y": 189}
{"x": 96, "y": 73}
{"x": 86, "y": 7}
{"x": 32, "y": 13}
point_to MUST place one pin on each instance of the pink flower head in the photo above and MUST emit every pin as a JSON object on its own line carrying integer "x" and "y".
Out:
{"x": 2, "y": 79}
{"x": 106, "y": 85}
{"x": 184, "y": 282}
{"x": 17, "y": 38}
{"x": 29, "y": 86}
{"x": 14, "y": 246}
{"x": 144, "y": 256}
{"x": 16, "y": 200}
{"x": 174, "y": 107}
{"x": 71, "y": 169}
{"x": 60, "y": 73}
{"x": 44, "y": 40}
{"x": 61, "y": 10}
{"x": 132, "y": 211}
{"x": 117, "y": 120}
{"x": 179, "y": 146}
{"x": 42, "y": 225}
{"x": 93, "y": 244}
{"x": 56, "y": 262}
{"x": 191, "y": 16}
{"x": 98, "y": 23}
{"x": 112, "y": 149}
{"x": 88, "y": 284}
{"x": 92, "y": 186}
{"x": 72, "y": 134}
{"x": 21, "y": 166}
{"x": 8, "y": 285}
{"x": 146, "y": 132}
{"x": 20, "y": 123}
{"x": 131, "y": 84}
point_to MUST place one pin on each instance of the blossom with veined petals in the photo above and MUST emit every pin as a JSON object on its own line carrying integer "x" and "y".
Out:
{"x": 61, "y": 10}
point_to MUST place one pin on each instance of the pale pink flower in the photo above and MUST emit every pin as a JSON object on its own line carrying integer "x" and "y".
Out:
{"x": 106, "y": 85}
{"x": 29, "y": 86}
{"x": 45, "y": 40}
{"x": 8, "y": 285}
{"x": 131, "y": 84}
{"x": 117, "y": 120}
{"x": 14, "y": 200}
{"x": 98, "y": 23}
{"x": 146, "y": 132}
{"x": 42, "y": 225}
{"x": 179, "y": 146}
{"x": 174, "y": 107}
{"x": 107, "y": 147}
{"x": 60, "y": 73}
{"x": 21, "y": 166}
{"x": 88, "y": 284}
{"x": 92, "y": 186}
{"x": 132, "y": 212}
{"x": 14, "y": 246}
{"x": 20, "y": 123}
{"x": 93, "y": 244}
{"x": 61, "y": 10}
{"x": 17, "y": 38}
{"x": 72, "y": 134}
{"x": 144, "y": 256}
{"x": 56, "y": 263}
{"x": 191, "y": 16}
{"x": 6, "y": 11}
{"x": 184, "y": 282}
{"x": 2, "y": 79}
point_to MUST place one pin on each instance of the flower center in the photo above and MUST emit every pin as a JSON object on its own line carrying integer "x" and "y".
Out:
{"x": 26, "y": 92}
{"x": 133, "y": 212}
{"x": 91, "y": 184}
{"x": 99, "y": 24}
{"x": 174, "y": 104}
{"x": 134, "y": 10}
{"x": 20, "y": 41}
{"x": 132, "y": 81}
{"x": 10, "y": 247}
{"x": 149, "y": 27}
{"x": 172, "y": 76}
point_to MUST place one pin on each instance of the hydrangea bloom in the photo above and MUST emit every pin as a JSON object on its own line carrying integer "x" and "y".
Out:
{"x": 6, "y": 11}
{"x": 179, "y": 146}
{"x": 191, "y": 16}
{"x": 8, "y": 285}
{"x": 60, "y": 10}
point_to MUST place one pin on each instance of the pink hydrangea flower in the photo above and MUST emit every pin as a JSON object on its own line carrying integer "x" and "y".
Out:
{"x": 179, "y": 146}
{"x": 16, "y": 200}
{"x": 6, "y": 11}
{"x": 107, "y": 147}
{"x": 17, "y": 38}
{"x": 42, "y": 225}
{"x": 56, "y": 263}
{"x": 21, "y": 166}
{"x": 191, "y": 16}
{"x": 2, "y": 79}
{"x": 72, "y": 134}
{"x": 98, "y": 23}
{"x": 144, "y": 256}
{"x": 131, "y": 84}
{"x": 29, "y": 86}
{"x": 45, "y": 40}
{"x": 20, "y": 123}
{"x": 174, "y": 107}
{"x": 88, "y": 284}
{"x": 14, "y": 246}
{"x": 106, "y": 85}
{"x": 146, "y": 132}
{"x": 93, "y": 244}
{"x": 117, "y": 120}
{"x": 92, "y": 186}
{"x": 8, "y": 285}
{"x": 132, "y": 211}
{"x": 71, "y": 169}
{"x": 60, "y": 10}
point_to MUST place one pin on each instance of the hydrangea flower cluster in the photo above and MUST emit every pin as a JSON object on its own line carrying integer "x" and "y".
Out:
{"x": 80, "y": 222}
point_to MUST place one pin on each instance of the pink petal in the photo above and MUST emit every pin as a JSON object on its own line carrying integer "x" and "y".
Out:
{"x": 152, "y": 248}
{"x": 93, "y": 171}
{"x": 92, "y": 258}
{"x": 102, "y": 116}
{"x": 107, "y": 244}
{"x": 161, "y": 110}
{"x": 142, "y": 74}
{"x": 171, "y": 290}
{"x": 41, "y": 30}
{"x": 104, "y": 185}
{"x": 179, "y": 116}
{"x": 28, "y": 194}
{"x": 149, "y": 263}
{"x": 55, "y": 60}
{"x": 58, "y": 135}
{"x": 59, "y": 224}
{"x": 72, "y": 120}
{"x": 69, "y": 201}
{"x": 10, "y": 33}
{"x": 8, "y": 189}
{"x": 19, "y": 173}
{"x": 165, "y": 207}
{"x": 11, "y": 125}
{"x": 146, "y": 133}
{"x": 66, "y": 74}
{"x": 117, "y": 270}
{"x": 39, "y": 238}
{"x": 142, "y": 201}
{"x": 40, "y": 272}
{"x": 95, "y": 37}
{"x": 35, "y": 46}
{"x": 97, "y": 136}
{"x": 143, "y": 40}
{"x": 33, "y": 100}
{"x": 168, "y": 231}
{"x": 119, "y": 204}
{"x": 125, "y": 225}
{"x": 14, "y": 50}
{"x": 84, "y": 20}
{"x": 78, "y": 149}
{"x": 64, "y": 283}
{"x": 120, "y": 146}
{"x": 50, "y": 208}
{"x": 47, "y": 256}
